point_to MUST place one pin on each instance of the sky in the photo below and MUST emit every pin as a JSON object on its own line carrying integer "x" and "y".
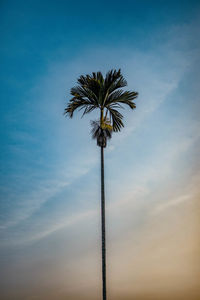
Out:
{"x": 50, "y": 167}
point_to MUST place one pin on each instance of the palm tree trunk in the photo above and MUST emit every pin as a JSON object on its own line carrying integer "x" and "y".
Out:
{"x": 103, "y": 229}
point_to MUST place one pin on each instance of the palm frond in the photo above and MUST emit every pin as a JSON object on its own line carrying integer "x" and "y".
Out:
{"x": 84, "y": 93}
{"x": 122, "y": 97}
{"x": 79, "y": 103}
{"x": 101, "y": 134}
{"x": 84, "y": 98}
{"x": 116, "y": 119}
{"x": 114, "y": 80}
{"x": 93, "y": 85}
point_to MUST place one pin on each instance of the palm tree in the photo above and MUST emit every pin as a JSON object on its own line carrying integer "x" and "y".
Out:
{"x": 106, "y": 94}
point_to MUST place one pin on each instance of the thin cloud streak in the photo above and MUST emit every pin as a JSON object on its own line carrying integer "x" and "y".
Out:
{"x": 41, "y": 194}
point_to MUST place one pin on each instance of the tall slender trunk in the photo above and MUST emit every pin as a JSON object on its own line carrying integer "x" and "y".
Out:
{"x": 103, "y": 229}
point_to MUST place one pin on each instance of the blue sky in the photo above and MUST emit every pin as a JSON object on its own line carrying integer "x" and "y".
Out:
{"x": 50, "y": 181}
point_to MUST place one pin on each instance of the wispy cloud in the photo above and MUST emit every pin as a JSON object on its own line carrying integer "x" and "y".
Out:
{"x": 44, "y": 190}
{"x": 171, "y": 203}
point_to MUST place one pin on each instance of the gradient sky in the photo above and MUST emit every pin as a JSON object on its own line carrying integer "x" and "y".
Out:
{"x": 50, "y": 166}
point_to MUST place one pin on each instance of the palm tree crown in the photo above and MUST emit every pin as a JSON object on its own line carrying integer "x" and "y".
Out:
{"x": 106, "y": 94}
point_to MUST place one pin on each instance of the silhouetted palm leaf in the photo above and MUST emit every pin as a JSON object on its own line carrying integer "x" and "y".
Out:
{"x": 101, "y": 133}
